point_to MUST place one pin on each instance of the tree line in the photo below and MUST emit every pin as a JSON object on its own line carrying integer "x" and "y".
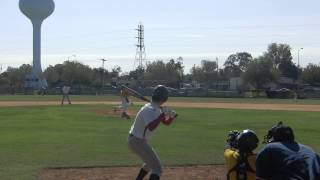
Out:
{"x": 274, "y": 63}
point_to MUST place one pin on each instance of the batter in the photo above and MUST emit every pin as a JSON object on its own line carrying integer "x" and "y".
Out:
{"x": 147, "y": 120}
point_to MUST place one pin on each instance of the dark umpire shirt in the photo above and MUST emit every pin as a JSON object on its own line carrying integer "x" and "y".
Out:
{"x": 287, "y": 161}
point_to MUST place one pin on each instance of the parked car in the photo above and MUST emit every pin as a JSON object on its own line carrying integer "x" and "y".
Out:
{"x": 282, "y": 93}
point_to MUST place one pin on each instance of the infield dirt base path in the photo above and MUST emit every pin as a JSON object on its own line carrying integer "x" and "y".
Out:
{"x": 281, "y": 107}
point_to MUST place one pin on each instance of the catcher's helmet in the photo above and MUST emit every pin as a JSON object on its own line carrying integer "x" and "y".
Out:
{"x": 160, "y": 94}
{"x": 247, "y": 141}
{"x": 279, "y": 133}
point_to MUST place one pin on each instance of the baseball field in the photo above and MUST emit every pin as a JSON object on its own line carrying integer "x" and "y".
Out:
{"x": 86, "y": 140}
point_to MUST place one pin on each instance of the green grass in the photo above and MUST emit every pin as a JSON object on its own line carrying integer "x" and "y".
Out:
{"x": 178, "y": 99}
{"x": 33, "y": 138}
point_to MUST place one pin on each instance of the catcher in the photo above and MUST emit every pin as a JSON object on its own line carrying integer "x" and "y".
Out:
{"x": 239, "y": 156}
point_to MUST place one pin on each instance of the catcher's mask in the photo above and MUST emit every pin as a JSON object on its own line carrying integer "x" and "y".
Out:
{"x": 279, "y": 133}
{"x": 247, "y": 141}
{"x": 160, "y": 94}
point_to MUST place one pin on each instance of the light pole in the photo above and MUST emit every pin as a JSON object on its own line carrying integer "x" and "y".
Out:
{"x": 298, "y": 75}
{"x": 299, "y": 57}
{"x": 102, "y": 77}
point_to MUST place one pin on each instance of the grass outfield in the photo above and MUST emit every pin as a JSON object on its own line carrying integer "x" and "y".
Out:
{"x": 33, "y": 138}
{"x": 176, "y": 99}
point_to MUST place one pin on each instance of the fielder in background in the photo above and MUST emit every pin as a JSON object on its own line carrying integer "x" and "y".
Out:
{"x": 65, "y": 93}
{"x": 125, "y": 102}
{"x": 147, "y": 120}
{"x": 284, "y": 159}
{"x": 239, "y": 156}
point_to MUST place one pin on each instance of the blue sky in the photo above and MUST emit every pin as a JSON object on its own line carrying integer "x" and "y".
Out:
{"x": 193, "y": 29}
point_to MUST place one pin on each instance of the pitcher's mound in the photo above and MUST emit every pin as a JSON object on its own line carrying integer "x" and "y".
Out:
{"x": 208, "y": 172}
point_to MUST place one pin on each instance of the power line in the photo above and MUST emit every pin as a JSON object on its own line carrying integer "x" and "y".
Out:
{"x": 257, "y": 26}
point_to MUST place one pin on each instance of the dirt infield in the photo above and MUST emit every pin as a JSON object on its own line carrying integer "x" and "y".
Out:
{"x": 281, "y": 107}
{"x": 209, "y": 172}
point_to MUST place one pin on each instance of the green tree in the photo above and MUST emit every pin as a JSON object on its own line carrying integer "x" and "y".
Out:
{"x": 280, "y": 55}
{"x": 115, "y": 72}
{"x": 76, "y": 73}
{"x": 137, "y": 74}
{"x": 311, "y": 74}
{"x": 16, "y": 76}
{"x": 175, "y": 71}
{"x": 3, "y": 80}
{"x": 53, "y": 74}
{"x": 237, "y": 63}
{"x": 156, "y": 71}
{"x": 170, "y": 73}
{"x": 100, "y": 76}
{"x": 260, "y": 72}
{"x": 206, "y": 73}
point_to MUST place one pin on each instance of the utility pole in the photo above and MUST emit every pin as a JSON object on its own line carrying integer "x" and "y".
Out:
{"x": 298, "y": 75}
{"x": 217, "y": 60}
{"x": 299, "y": 57}
{"x": 102, "y": 74}
{"x": 140, "y": 51}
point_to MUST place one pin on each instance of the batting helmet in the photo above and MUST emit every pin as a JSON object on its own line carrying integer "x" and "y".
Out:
{"x": 160, "y": 94}
{"x": 247, "y": 141}
{"x": 279, "y": 133}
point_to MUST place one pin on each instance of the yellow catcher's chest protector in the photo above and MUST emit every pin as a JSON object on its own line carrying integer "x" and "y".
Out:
{"x": 231, "y": 158}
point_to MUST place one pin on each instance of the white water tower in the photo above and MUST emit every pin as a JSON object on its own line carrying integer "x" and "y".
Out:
{"x": 36, "y": 11}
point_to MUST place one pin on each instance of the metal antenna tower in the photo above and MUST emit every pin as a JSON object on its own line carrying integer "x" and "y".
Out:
{"x": 140, "y": 52}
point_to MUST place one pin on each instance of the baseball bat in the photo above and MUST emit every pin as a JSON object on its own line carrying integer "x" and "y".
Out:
{"x": 139, "y": 96}
{"x": 136, "y": 94}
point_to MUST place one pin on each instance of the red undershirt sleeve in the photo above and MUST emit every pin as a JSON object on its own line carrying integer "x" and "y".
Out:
{"x": 155, "y": 123}
{"x": 167, "y": 121}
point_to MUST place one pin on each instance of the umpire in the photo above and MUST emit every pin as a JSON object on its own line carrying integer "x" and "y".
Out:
{"x": 284, "y": 159}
